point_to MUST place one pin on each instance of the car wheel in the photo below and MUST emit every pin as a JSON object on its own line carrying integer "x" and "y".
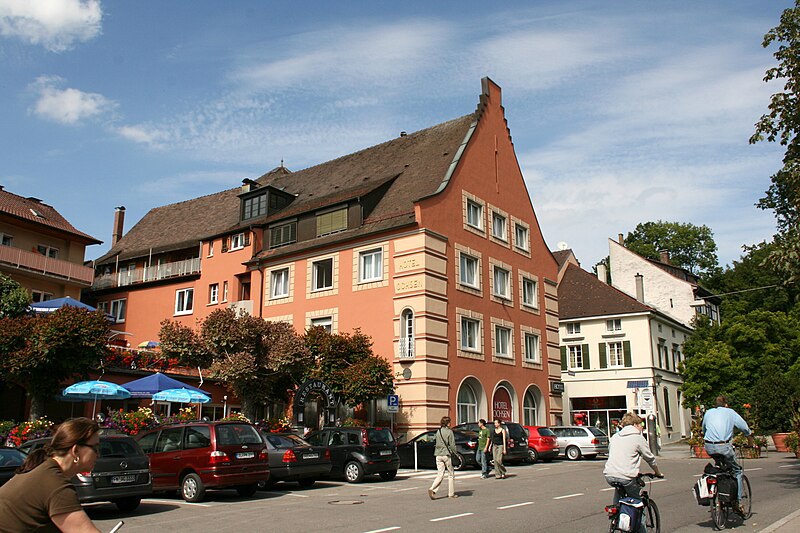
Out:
{"x": 307, "y": 482}
{"x": 388, "y": 476}
{"x": 268, "y": 484}
{"x": 247, "y": 490}
{"x": 573, "y": 453}
{"x": 192, "y": 488}
{"x": 533, "y": 455}
{"x": 354, "y": 472}
{"x": 127, "y": 505}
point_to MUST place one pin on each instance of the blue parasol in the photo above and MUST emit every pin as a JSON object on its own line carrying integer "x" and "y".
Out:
{"x": 90, "y": 390}
{"x": 147, "y": 386}
{"x": 181, "y": 396}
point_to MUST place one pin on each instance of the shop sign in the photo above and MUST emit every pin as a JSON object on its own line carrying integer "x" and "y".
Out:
{"x": 557, "y": 387}
{"x": 501, "y": 405}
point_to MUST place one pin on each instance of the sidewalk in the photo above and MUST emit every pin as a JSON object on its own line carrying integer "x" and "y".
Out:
{"x": 787, "y": 524}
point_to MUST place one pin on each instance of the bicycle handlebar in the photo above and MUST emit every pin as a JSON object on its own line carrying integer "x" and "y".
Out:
{"x": 649, "y": 475}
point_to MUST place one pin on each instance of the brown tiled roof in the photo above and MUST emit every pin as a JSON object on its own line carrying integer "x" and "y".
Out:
{"x": 581, "y": 294}
{"x": 561, "y": 256}
{"x": 24, "y": 208}
{"x": 414, "y": 165}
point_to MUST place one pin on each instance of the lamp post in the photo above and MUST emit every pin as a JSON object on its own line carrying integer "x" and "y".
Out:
{"x": 225, "y": 406}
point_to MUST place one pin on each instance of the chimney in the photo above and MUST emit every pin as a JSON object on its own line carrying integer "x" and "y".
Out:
{"x": 665, "y": 256}
{"x": 640, "y": 287}
{"x": 620, "y": 239}
{"x": 601, "y": 272}
{"x": 403, "y": 134}
{"x": 119, "y": 224}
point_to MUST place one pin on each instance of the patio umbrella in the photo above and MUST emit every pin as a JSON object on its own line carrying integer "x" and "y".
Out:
{"x": 149, "y": 344}
{"x": 181, "y": 396}
{"x": 54, "y": 305}
{"x": 90, "y": 390}
{"x": 147, "y": 386}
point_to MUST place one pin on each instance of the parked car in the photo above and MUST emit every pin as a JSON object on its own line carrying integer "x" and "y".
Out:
{"x": 542, "y": 444}
{"x": 195, "y": 456}
{"x": 357, "y": 452}
{"x": 10, "y": 460}
{"x": 466, "y": 446}
{"x": 516, "y": 443}
{"x": 121, "y": 474}
{"x": 575, "y": 442}
{"x": 291, "y": 458}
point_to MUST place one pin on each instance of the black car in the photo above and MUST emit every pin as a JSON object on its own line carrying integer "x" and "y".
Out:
{"x": 121, "y": 474}
{"x": 356, "y": 452}
{"x": 466, "y": 446}
{"x": 10, "y": 460}
{"x": 293, "y": 459}
{"x": 516, "y": 443}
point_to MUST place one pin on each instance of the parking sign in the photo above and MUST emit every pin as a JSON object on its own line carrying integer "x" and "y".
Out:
{"x": 393, "y": 403}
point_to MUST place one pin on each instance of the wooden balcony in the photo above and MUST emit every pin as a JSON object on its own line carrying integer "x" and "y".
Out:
{"x": 143, "y": 275}
{"x": 47, "y": 266}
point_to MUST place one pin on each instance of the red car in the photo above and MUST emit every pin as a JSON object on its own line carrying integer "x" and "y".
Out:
{"x": 542, "y": 444}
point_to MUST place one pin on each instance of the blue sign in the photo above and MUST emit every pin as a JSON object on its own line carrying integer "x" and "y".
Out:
{"x": 393, "y": 403}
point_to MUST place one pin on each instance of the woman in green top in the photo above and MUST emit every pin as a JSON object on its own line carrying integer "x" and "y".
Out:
{"x": 483, "y": 448}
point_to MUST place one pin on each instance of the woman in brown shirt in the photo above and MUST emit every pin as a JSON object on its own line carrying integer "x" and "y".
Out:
{"x": 41, "y": 494}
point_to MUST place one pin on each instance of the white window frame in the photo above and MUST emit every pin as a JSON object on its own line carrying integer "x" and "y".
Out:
{"x": 323, "y": 321}
{"x": 48, "y": 251}
{"x": 467, "y": 324}
{"x": 476, "y": 207}
{"x": 213, "y": 293}
{"x": 407, "y": 334}
{"x": 370, "y": 265}
{"x": 574, "y": 353}
{"x": 533, "y": 301}
{"x": 536, "y": 356}
{"x": 184, "y": 301}
{"x": 499, "y": 226}
{"x": 117, "y": 308}
{"x": 279, "y": 279}
{"x": 463, "y": 258}
{"x": 613, "y": 325}
{"x": 502, "y": 343}
{"x": 506, "y": 294}
{"x": 615, "y": 354}
{"x": 524, "y": 242}
{"x": 210, "y": 249}
{"x": 224, "y": 291}
{"x": 315, "y": 286}
{"x": 237, "y": 242}
{"x": 573, "y": 328}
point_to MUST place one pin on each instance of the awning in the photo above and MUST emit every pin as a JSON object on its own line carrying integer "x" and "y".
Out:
{"x": 639, "y": 384}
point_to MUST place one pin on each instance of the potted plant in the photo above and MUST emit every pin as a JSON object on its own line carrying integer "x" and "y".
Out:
{"x": 793, "y": 443}
{"x": 696, "y": 442}
{"x": 743, "y": 450}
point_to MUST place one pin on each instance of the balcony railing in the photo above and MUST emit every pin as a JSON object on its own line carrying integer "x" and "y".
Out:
{"x": 406, "y": 348}
{"x": 151, "y": 273}
{"x": 48, "y": 266}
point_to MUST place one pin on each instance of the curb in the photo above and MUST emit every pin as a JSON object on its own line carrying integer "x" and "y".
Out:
{"x": 780, "y": 523}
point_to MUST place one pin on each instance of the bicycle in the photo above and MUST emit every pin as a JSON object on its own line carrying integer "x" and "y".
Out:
{"x": 722, "y": 504}
{"x": 652, "y": 517}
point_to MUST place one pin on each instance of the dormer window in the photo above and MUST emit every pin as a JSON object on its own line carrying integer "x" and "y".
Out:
{"x": 37, "y": 213}
{"x": 255, "y": 206}
{"x": 282, "y": 235}
{"x": 332, "y": 222}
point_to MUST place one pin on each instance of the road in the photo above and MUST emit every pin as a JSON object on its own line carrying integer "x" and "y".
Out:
{"x": 561, "y": 496}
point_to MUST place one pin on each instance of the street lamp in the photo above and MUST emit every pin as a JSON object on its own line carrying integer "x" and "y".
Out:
{"x": 225, "y": 406}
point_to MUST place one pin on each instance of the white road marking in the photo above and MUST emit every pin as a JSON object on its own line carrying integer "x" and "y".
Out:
{"x": 568, "y": 496}
{"x": 540, "y": 469}
{"x": 450, "y": 517}
{"x": 515, "y": 505}
{"x": 384, "y": 529}
{"x": 606, "y": 490}
{"x": 789, "y": 466}
{"x": 409, "y": 488}
{"x": 753, "y": 469}
{"x": 179, "y": 502}
{"x": 297, "y": 495}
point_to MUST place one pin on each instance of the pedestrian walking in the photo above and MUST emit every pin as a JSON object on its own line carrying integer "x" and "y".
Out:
{"x": 499, "y": 449}
{"x": 443, "y": 450}
{"x": 484, "y": 445}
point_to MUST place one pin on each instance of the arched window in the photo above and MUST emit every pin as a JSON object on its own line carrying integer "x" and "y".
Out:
{"x": 529, "y": 410}
{"x": 467, "y": 404}
{"x": 407, "y": 334}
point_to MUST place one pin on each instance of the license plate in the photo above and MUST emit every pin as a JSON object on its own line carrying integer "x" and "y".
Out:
{"x": 311, "y": 456}
{"x": 245, "y": 455}
{"x": 122, "y": 479}
{"x": 386, "y": 452}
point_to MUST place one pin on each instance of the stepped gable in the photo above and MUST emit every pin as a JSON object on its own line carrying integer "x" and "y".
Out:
{"x": 581, "y": 294}
{"x": 34, "y": 210}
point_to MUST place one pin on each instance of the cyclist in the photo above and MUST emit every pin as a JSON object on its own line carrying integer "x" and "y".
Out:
{"x": 718, "y": 426}
{"x": 626, "y": 449}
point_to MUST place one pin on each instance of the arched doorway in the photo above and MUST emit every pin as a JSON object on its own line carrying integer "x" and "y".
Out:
{"x": 504, "y": 402}
{"x": 532, "y": 407}
{"x": 470, "y": 401}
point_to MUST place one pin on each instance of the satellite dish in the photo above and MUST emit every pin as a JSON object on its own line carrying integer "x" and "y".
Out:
{"x": 562, "y": 245}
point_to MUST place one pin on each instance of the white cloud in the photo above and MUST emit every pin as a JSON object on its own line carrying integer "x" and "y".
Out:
{"x": 143, "y": 134}
{"x": 55, "y": 24}
{"x": 67, "y": 106}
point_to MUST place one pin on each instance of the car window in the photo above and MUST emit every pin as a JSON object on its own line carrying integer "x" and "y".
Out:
{"x": 198, "y": 437}
{"x": 237, "y": 435}
{"x": 316, "y": 439}
{"x": 352, "y": 438}
{"x": 169, "y": 440}
{"x": 579, "y": 432}
{"x": 427, "y": 437}
{"x": 380, "y": 436}
{"x": 10, "y": 457}
{"x": 596, "y": 432}
{"x": 147, "y": 442}
{"x": 285, "y": 441}
{"x": 119, "y": 448}
{"x": 337, "y": 438}
{"x": 545, "y": 432}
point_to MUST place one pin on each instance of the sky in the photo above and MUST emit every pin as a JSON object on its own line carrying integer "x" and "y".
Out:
{"x": 621, "y": 112}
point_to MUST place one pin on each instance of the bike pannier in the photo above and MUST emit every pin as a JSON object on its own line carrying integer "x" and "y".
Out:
{"x": 630, "y": 514}
{"x": 701, "y": 492}
{"x": 727, "y": 488}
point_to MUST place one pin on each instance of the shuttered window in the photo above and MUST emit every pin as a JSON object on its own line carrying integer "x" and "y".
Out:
{"x": 283, "y": 235}
{"x": 332, "y": 222}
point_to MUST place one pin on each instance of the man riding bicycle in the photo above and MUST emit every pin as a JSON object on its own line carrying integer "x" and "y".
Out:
{"x": 718, "y": 426}
{"x": 626, "y": 449}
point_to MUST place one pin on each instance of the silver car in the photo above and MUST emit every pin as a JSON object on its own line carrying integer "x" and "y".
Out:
{"x": 575, "y": 442}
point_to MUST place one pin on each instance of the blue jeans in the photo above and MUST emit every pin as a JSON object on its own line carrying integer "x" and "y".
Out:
{"x": 730, "y": 456}
{"x": 483, "y": 460}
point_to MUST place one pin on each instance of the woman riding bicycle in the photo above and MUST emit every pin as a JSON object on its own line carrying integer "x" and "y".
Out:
{"x": 626, "y": 449}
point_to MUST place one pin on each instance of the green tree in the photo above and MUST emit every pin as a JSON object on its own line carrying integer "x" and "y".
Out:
{"x": 689, "y": 246}
{"x": 14, "y": 298}
{"x": 346, "y": 363}
{"x": 781, "y": 124}
{"x": 259, "y": 361}
{"x": 40, "y": 353}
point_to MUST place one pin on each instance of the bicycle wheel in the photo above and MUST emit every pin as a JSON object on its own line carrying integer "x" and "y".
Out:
{"x": 719, "y": 513}
{"x": 747, "y": 498}
{"x": 612, "y": 527}
{"x": 652, "y": 519}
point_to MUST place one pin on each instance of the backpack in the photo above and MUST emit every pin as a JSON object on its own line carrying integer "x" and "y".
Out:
{"x": 727, "y": 488}
{"x": 701, "y": 491}
{"x": 630, "y": 514}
